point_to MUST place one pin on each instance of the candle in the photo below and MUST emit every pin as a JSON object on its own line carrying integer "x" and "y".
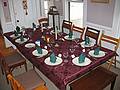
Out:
{"x": 56, "y": 34}
{"x": 48, "y": 40}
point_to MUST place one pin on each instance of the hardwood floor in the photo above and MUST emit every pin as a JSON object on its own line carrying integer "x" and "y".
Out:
{"x": 2, "y": 42}
{"x": 5, "y": 51}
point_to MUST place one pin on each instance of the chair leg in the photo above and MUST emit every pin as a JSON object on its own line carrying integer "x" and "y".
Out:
{"x": 115, "y": 61}
{"x": 110, "y": 63}
{"x": 33, "y": 67}
{"x": 2, "y": 70}
{"x": 25, "y": 66}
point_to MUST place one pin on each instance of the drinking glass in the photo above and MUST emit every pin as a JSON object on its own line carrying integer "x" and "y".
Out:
{"x": 65, "y": 55}
{"x": 30, "y": 34}
{"x": 72, "y": 48}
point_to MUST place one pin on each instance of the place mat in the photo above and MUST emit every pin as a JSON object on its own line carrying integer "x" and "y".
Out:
{"x": 101, "y": 54}
{"x": 88, "y": 45}
{"x": 67, "y": 37}
{"x": 21, "y": 42}
{"x": 29, "y": 45}
{"x": 35, "y": 53}
{"x": 58, "y": 61}
{"x": 85, "y": 63}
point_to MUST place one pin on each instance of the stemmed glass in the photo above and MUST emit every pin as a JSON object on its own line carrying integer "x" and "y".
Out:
{"x": 72, "y": 48}
{"x": 30, "y": 34}
{"x": 65, "y": 55}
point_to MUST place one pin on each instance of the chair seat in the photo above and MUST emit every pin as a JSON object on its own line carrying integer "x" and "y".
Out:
{"x": 30, "y": 80}
{"x": 14, "y": 60}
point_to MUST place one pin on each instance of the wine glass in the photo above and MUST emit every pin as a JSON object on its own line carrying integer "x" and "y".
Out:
{"x": 65, "y": 55}
{"x": 30, "y": 34}
{"x": 72, "y": 48}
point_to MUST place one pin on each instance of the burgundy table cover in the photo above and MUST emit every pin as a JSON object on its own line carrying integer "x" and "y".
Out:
{"x": 66, "y": 72}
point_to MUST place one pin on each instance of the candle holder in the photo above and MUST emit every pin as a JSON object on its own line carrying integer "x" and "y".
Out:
{"x": 56, "y": 21}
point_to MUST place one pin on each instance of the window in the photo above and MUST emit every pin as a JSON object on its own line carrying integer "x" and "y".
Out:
{"x": 76, "y": 13}
{"x": 46, "y": 7}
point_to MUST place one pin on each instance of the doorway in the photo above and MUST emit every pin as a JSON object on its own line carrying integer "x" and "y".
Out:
{"x": 76, "y": 12}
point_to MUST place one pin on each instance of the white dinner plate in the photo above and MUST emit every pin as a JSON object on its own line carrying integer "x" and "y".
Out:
{"x": 88, "y": 45}
{"x": 29, "y": 45}
{"x": 85, "y": 63}
{"x": 13, "y": 36}
{"x": 101, "y": 54}
{"x": 49, "y": 27}
{"x": 58, "y": 61}
{"x": 67, "y": 37}
{"x": 35, "y": 53}
{"x": 21, "y": 42}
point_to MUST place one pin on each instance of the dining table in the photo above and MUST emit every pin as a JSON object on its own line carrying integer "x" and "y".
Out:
{"x": 66, "y": 50}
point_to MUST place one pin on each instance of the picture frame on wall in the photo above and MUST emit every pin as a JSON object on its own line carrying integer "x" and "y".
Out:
{"x": 100, "y": 1}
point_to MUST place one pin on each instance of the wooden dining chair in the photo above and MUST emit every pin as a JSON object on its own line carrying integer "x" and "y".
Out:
{"x": 79, "y": 30}
{"x": 66, "y": 25}
{"x": 27, "y": 81}
{"x": 113, "y": 41}
{"x": 92, "y": 33}
{"x": 11, "y": 60}
{"x": 43, "y": 22}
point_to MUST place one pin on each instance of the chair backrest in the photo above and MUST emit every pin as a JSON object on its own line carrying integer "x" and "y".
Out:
{"x": 43, "y": 21}
{"x": 14, "y": 83}
{"x": 8, "y": 51}
{"x": 79, "y": 30}
{"x": 93, "y": 33}
{"x": 66, "y": 24}
{"x": 111, "y": 40}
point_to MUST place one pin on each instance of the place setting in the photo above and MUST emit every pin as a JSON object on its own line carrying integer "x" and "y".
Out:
{"x": 29, "y": 45}
{"x": 53, "y": 60}
{"x": 87, "y": 42}
{"x": 21, "y": 39}
{"x": 97, "y": 53}
{"x": 39, "y": 52}
{"x": 81, "y": 60}
{"x": 70, "y": 36}
{"x": 16, "y": 33}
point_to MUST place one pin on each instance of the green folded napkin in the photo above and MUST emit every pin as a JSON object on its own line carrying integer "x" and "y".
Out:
{"x": 70, "y": 34}
{"x": 39, "y": 49}
{"x": 96, "y": 51}
{"x": 52, "y": 58}
{"x": 17, "y": 29}
{"x": 81, "y": 58}
{"x": 87, "y": 40}
{"x": 21, "y": 38}
{"x": 16, "y": 34}
{"x": 33, "y": 24}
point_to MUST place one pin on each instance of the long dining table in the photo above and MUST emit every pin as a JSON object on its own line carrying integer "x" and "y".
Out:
{"x": 67, "y": 50}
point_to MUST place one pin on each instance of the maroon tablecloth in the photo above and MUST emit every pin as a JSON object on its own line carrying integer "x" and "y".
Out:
{"x": 64, "y": 73}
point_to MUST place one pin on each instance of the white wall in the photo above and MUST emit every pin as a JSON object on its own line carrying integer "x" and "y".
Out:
{"x": 113, "y": 30}
{"x": 18, "y": 13}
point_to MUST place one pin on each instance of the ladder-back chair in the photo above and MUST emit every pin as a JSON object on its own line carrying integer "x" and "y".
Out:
{"x": 79, "y": 30}
{"x": 113, "y": 41}
{"x": 43, "y": 22}
{"x": 66, "y": 25}
{"x": 11, "y": 61}
{"x": 92, "y": 33}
